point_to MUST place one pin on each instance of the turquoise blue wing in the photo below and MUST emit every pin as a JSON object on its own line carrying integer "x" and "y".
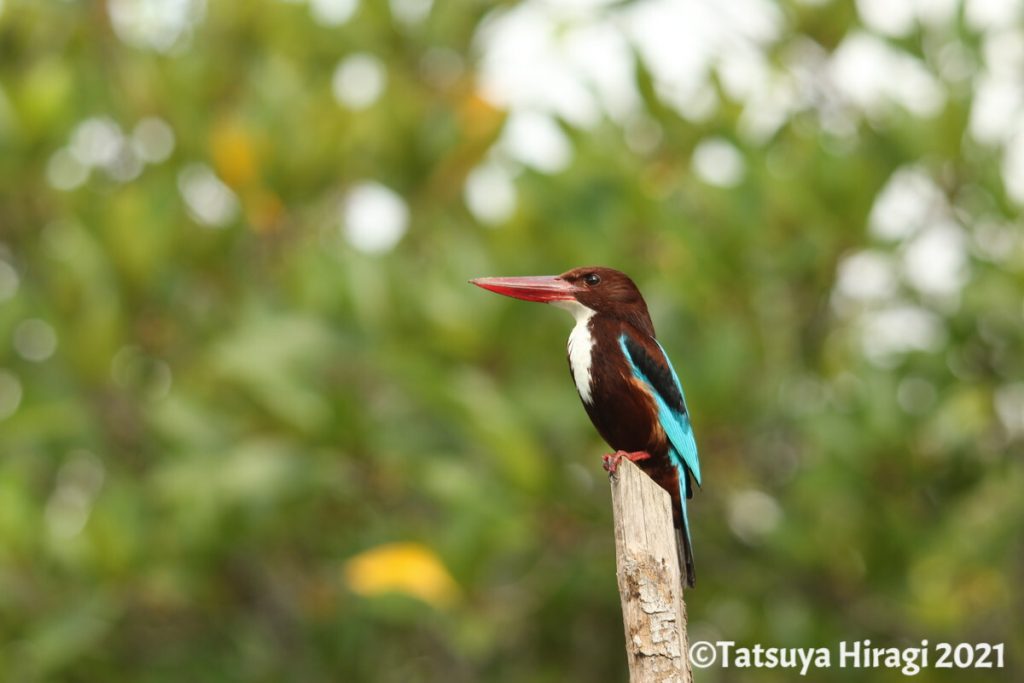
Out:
{"x": 651, "y": 365}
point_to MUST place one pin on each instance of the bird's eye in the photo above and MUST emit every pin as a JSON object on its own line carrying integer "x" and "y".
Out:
{"x": 592, "y": 279}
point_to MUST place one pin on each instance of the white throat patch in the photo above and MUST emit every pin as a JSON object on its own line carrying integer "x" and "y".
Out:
{"x": 581, "y": 344}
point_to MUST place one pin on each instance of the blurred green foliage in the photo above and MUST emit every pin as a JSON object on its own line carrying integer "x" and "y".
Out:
{"x": 204, "y": 417}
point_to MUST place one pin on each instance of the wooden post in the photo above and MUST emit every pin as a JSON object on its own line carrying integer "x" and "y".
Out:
{"x": 653, "y": 610}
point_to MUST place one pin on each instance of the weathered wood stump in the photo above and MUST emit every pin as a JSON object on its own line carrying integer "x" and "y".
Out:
{"x": 650, "y": 585}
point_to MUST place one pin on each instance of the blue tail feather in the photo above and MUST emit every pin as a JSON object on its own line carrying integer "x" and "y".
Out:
{"x": 685, "y": 546}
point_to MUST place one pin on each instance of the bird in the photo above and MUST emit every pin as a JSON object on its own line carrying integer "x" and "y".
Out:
{"x": 624, "y": 378}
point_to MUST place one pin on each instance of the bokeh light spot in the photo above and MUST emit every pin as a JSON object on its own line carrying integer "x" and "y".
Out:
{"x": 411, "y": 11}
{"x": 155, "y": 24}
{"x": 908, "y": 201}
{"x": 753, "y": 514}
{"x": 96, "y": 141}
{"x": 935, "y": 261}
{"x": 359, "y": 81}
{"x": 333, "y": 12}
{"x": 9, "y": 281}
{"x": 867, "y": 275}
{"x": 898, "y": 329}
{"x": 874, "y": 75}
{"x": 536, "y": 140}
{"x": 1010, "y": 408}
{"x": 125, "y": 165}
{"x": 374, "y": 217}
{"x": 718, "y": 162}
{"x": 10, "y": 394}
{"x": 35, "y": 340}
{"x": 889, "y": 17}
{"x": 490, "y": 193}
{"x": 991, "y": 14}
{"x": 152, "y": 140}
{"x": 64, "y": 171}
{"x": 78, "y": 482}
{"x": 209, "y": 201}
{"x": 1013, "y": 169}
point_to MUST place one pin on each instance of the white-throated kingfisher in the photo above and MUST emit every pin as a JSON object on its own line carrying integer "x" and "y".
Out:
{"x": 624, "y": 378}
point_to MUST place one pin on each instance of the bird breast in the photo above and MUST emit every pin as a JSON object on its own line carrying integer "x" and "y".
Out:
{"x": 581, "y": 346}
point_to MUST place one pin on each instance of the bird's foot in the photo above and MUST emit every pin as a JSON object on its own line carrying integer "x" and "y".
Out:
{"x": 611, "y": 460}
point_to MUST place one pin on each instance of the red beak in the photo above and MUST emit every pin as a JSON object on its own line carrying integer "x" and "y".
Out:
{"x": 542, "y": 288}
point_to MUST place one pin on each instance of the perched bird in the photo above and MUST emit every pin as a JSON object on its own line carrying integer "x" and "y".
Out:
{"x": 624, "y": 378}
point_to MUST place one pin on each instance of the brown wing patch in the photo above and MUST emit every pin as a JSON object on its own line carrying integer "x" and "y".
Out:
{"x": 657, "y": 434}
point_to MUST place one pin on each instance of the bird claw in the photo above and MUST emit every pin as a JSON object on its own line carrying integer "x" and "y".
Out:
{"x": 611, "y": 461}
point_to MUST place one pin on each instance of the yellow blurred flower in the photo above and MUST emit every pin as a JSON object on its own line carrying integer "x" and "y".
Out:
{"x": 479, "y": 118}
{"x": 409, "y": 568}
{"x": 235, "y": 153}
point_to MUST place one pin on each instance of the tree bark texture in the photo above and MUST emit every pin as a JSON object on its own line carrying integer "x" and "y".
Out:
{"x": 650, "y": 584}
